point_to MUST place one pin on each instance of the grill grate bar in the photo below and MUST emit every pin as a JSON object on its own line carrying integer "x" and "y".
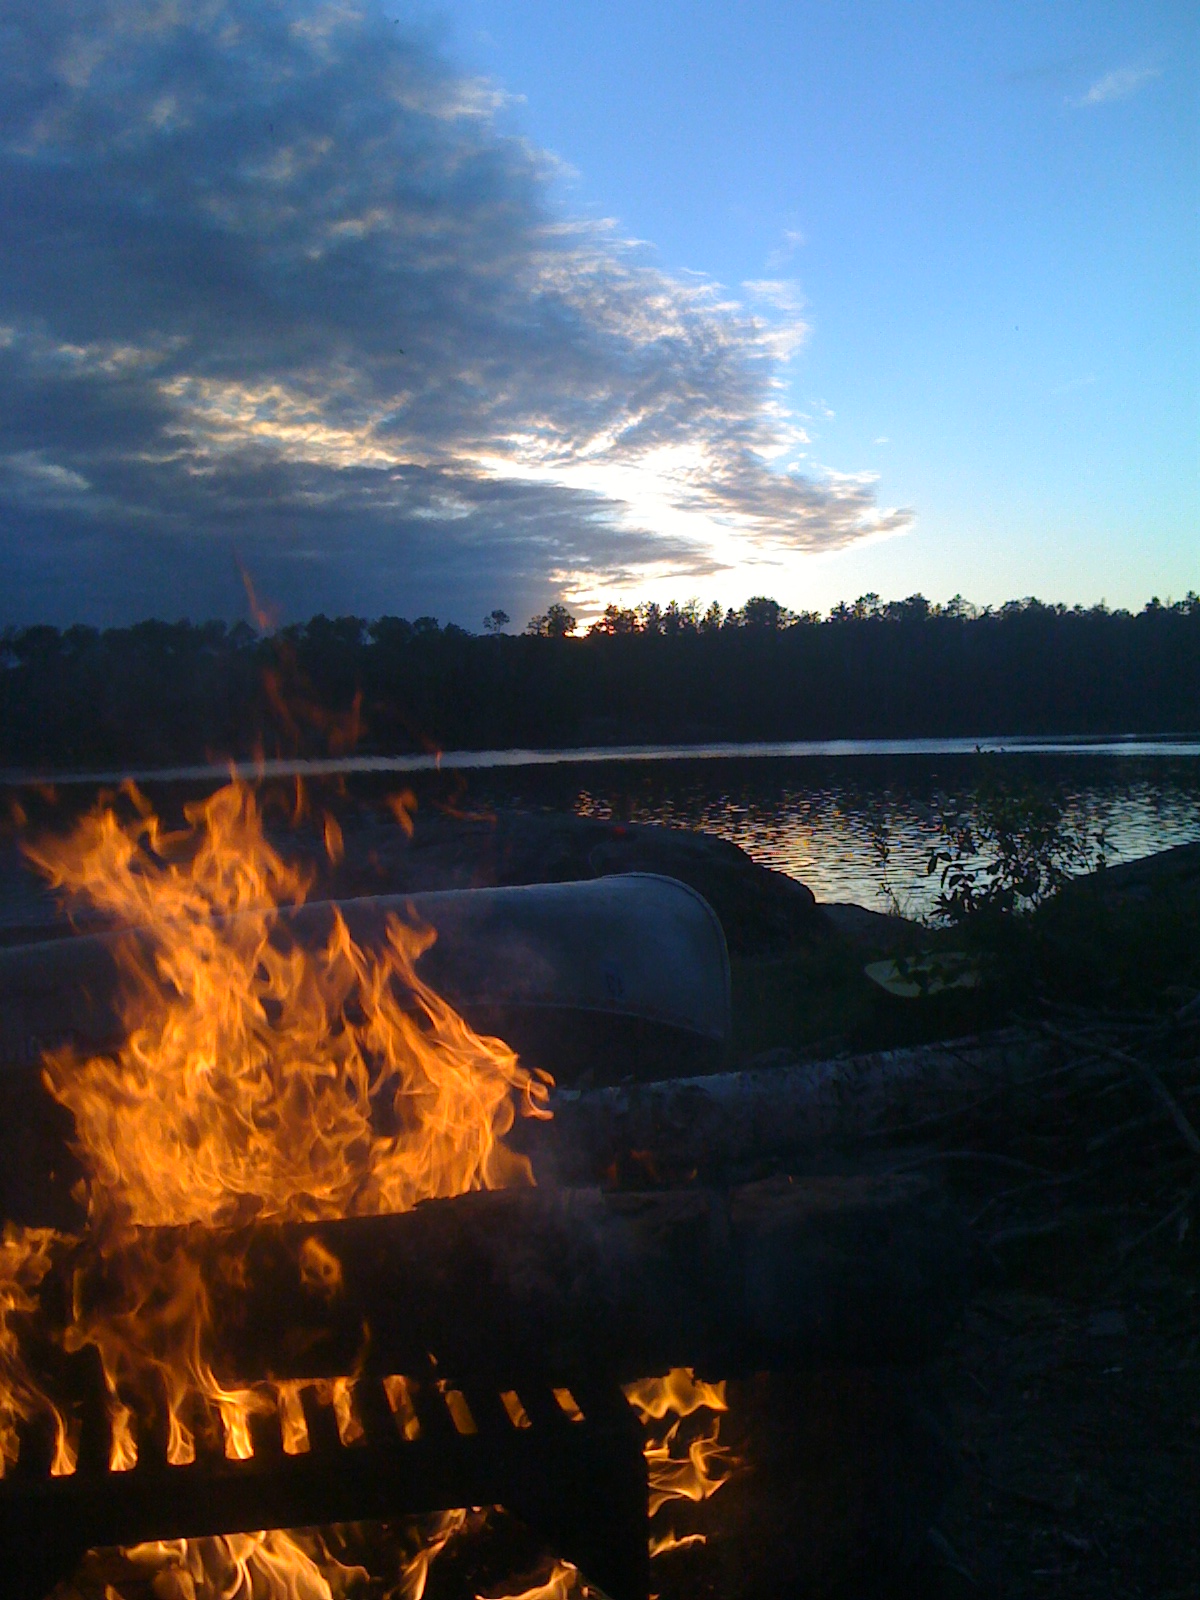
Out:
{"x": 581, "y": 1484}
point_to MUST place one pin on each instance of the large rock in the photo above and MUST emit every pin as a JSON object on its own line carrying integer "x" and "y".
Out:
{"x": 1174, "y": 871}
{"x": 758, "y": 908}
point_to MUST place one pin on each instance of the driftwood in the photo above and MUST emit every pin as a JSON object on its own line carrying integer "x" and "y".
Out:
{"x": 716, "y": 1126}
{"x": 801, "y": 1112}
{"x": 523, "y": 1284}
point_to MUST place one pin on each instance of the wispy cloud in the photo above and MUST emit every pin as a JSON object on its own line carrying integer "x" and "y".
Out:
{"x": 793, "y": 240}
{"x": 273, "y": 274}
{"x": 1118, "y": 85}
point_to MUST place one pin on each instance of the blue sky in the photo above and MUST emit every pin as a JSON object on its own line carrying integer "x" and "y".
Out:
{"x": 430, "y": 309}
{"x": 989, "y": 213}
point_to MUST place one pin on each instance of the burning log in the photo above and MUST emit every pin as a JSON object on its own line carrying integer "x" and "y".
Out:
{"x": 508, "y": 1286}
{"x": 710, "y": 1124}
{"x": 499, "y": 1324}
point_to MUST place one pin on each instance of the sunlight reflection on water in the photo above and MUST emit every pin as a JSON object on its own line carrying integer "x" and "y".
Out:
{"x": 826, "y": 832}
{"x": 816, "y": 811}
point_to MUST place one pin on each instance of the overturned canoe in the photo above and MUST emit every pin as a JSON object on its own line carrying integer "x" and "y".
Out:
{"x": 614, "y": 975}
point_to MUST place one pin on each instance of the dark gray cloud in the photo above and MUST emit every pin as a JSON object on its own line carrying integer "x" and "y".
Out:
{"x": 273, "y": 279}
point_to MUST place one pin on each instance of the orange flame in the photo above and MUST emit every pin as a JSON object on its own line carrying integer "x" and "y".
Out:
{"x": 403, "y": 807}
{"x": 563, "y": 1582}
{"x": 682, "y": 1464}
{"x": 283, "y": 1565}
{"x": 266, "y": 617}
{"x": 252, "y": 1071}
{"x": 256, "y": 1078}
{"x": 261, "y": 1078}
{"x": 25, "y": 1259}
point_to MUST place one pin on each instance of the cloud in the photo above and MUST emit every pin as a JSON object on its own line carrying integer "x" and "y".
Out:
{"x": 273, "y": 277}
{"x": 1118, "y": 85}
{"x": 793, "y": 240}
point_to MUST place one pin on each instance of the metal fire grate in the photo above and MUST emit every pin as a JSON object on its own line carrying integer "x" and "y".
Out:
{"x": 567, "y": 1463}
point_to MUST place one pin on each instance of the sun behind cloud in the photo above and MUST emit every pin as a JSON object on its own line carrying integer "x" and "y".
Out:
{"x": 276, "y": 275}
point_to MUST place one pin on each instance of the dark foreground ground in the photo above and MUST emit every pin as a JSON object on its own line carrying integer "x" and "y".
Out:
{"x": 1074, "y": 1380}
{"x": 1076, "y": 1418}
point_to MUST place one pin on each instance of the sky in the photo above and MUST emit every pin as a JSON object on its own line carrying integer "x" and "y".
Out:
{"x": 432, "y": 309}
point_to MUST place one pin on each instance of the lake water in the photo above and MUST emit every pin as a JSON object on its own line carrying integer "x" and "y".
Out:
{"x": 822, "y": 816}
{"x": 817, "y": 811}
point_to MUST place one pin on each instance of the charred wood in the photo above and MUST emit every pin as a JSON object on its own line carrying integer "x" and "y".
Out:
{"x": 508, "y": 1286}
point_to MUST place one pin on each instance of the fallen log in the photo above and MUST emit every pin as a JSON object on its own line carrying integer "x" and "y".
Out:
{"x": 667, "y": 1131}
{"x": 713, "y": 1124}
{"x": 515, "y": 1285}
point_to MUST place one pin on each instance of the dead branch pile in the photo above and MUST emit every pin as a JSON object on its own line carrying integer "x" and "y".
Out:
{"x": 1102, "y": 1141}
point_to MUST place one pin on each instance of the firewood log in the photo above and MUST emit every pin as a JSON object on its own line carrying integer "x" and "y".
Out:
{"x": 716, "y": 1123}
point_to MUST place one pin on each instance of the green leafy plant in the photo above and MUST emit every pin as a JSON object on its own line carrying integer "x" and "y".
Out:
{"x": 1016, "y": 848}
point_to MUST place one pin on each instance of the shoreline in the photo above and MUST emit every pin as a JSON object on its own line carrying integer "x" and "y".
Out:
{"x": 1121, "y": 746}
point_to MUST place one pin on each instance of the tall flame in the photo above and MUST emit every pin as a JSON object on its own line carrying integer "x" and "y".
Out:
{"x": 260, "y": 1077}
{"x": 254, "y": 1072}
{"x": 256, "y": 1078}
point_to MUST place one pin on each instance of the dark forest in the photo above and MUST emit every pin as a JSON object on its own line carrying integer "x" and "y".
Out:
{"x": 164, "y": 692}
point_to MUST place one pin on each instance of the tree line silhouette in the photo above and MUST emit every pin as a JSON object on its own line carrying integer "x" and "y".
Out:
{"x": 165, "y": 693}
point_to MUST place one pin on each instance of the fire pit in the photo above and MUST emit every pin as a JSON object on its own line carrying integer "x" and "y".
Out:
{"x": 490, "y": 1337}
{"x": 580, "y": 1480}
{"x": 315, "y": 1285}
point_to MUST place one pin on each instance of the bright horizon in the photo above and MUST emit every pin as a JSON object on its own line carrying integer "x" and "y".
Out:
{"x": 985, "y": 220}
{"x": 438, "y": 309}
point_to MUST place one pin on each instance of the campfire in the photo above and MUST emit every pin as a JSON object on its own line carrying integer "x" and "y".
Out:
{"x": 262, "y": 1325}
{"x": 351, "y": 1301}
